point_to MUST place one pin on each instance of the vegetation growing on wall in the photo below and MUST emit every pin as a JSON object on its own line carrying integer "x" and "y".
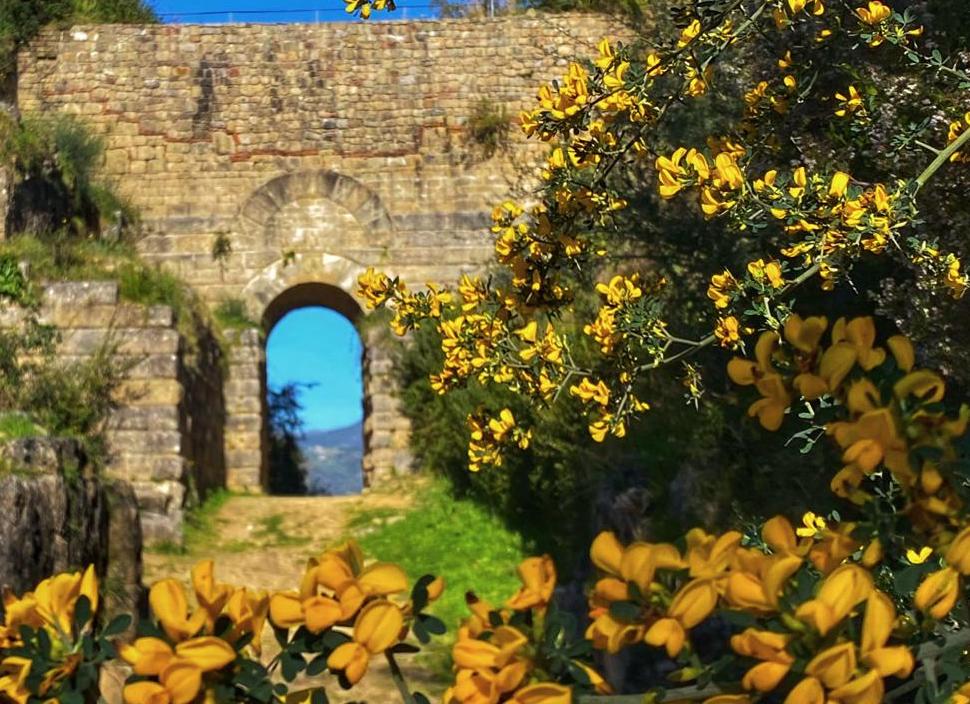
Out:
{"x": 40, "y": 391}
{"x": 21, "y": 20}
{"x": 53, "y": 161}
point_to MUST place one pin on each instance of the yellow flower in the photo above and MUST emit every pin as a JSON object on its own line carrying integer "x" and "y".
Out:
{"x": 937, "y": 594}
{"x": 849, "y": 102}
{"x": 834, "y": 666}
{"x": 588, "y": 391}
{"x": 958, "y": 554}
{"x": 839, "y": 594}
{"x": 874, "y": 13}
{"x": 721, "y": 286}
{"x": 812, "y": 525}
{"x": 376, "y": 287}
{"x": 171, "y": 608}
{"x": 248, "y": 610}
{"x": 768, "y": 647}
{"x": 378, "y": 626}
{"x": 770, "y": 272}
{"x": 919, "y": 557}
{"x": 538, "y": 575}
{"x": 543, "y": 693}
{"x": 895, "y": 661}
{"x": 179, "y": 671}
{"x": 210, "y": 595}
{"x": 728, "y": 331}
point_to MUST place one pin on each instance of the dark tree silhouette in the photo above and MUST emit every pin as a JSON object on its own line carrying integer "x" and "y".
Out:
{"x": 287, "y": 465}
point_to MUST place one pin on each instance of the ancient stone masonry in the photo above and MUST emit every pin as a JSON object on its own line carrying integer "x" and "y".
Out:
{"x": 157, "y": 435}
{"x": 317, "y": 150}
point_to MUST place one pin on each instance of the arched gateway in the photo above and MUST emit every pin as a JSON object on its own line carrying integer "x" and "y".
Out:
{"x": 302, "y": 219}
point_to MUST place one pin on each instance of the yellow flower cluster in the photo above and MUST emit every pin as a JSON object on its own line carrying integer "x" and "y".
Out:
{"x": 890, "y": 411}
{"x": 172, "y": 670}
{"x": 49, "y": 607}
{"x": 498, "y": 655}
{"x": 377, "y": 289}
{"x": 720, "y": 186}
{"x": 664, "y": 594}
{"x": 364, "y": 8}
{"x": 880, "y": 25}
{"x": 958, "y": 127}
{"x": 340, "y": 590}
{"x": 490, "y": 436}
{"x": 850, "y": 104}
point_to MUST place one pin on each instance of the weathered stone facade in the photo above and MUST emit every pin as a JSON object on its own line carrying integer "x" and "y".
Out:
{"x": 161, "y": 435}
{"x": 56, "y": 516}
{"x": 318, "y": 150}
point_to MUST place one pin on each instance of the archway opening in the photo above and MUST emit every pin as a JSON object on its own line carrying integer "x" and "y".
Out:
{"x": 314, "y": 401}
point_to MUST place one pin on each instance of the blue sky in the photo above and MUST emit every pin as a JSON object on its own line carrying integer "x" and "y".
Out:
{"x": 275, "y": 11}
{"x": 318, "y": 346}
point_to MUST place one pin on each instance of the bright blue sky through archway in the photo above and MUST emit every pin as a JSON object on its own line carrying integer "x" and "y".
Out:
{"x": 208, "y": 11}
{"x": 318, "y": 346}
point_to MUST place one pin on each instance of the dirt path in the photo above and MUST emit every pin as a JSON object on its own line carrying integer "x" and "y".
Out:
{"x": 264, "y": 542}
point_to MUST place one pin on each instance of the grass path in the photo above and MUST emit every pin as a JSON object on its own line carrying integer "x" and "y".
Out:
{"x": 264, "y": 542}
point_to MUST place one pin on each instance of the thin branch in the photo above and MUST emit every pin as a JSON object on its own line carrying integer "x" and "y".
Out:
{"x": 942, "y": 158}
{"x": 399, "y": 681}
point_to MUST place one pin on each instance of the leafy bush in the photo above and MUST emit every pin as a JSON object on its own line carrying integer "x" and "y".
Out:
{"x": 54, "y": 160}
{"x": 64, "y": 398}
{"x": 231, "y": 314}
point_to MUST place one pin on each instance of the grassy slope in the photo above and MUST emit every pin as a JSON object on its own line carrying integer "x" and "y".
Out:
{"x": 441, "y": 535}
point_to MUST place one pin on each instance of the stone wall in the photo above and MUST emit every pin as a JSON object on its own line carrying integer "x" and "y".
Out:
{"x": 165, "y": 436}
{"x": 55, "y": 516}
{"x": 318, "y": 150}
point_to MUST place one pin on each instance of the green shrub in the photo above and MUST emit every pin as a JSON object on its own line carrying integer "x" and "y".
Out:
{"x": 54, "y": 160}
{"x": 231, "y": 314}
{"x": 65, "y": 398}
{"x": 16, "y": 425}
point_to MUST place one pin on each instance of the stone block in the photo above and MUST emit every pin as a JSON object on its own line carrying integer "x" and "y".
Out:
{"x": 243, "y": 441}
{"x": 76, "y": 294}
{"x": 145, "y": 442}
{"x": 156, "y": 392}
{"x": 142, "y": 467}
{"x": 145, "y": 418}
{"x": 161, "y": 528}
{"x": 243, "y": 458}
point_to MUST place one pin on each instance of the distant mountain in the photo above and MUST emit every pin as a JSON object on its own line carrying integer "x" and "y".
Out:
{"x": 334, "y": 459}
{"x": 351, "y": 436}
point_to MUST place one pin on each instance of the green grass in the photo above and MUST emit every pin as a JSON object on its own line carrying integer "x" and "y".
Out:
{"x": 198, "y": 528}
{"x": 16, "y": 425}
{"x": 454, "y": 538}
{"x": 271, "y": 532}
{"x": 231, "y": 314}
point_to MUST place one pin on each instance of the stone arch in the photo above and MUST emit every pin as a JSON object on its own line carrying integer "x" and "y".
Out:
{"x": 308, "y": 274}
{"x": 363, "y": 204}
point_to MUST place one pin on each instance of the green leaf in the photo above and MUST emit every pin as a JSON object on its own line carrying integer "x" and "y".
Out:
{"x": 624, "y": 611}
{"x": 433, "y": 624}
{"x": 291, "y": 666}
{"x": 118, "y": 625}
{"x": 282, "y": 635}
{"x": 317, "y": 666}
{"x": 82, "y": 612}
{"x": 404, "y": 649}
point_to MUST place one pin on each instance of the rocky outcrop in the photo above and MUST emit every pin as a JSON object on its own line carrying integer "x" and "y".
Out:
{"x": 56, "y": 516}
